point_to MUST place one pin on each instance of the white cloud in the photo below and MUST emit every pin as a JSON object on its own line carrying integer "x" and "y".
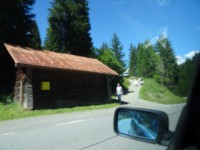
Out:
{"x": 163, "y": 3}
{"x": 181, "y": 59}
{"x": 191, "y": 54}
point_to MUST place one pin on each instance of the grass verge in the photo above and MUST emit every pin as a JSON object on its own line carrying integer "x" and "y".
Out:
{"x": 14, "y": 111}
{"x": 152, "y": 91}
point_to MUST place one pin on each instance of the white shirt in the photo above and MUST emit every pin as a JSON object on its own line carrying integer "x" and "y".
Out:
{"x": 119, "y": 90}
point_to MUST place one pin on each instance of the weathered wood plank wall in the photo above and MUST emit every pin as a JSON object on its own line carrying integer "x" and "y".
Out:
{"x": 23, "y": 92}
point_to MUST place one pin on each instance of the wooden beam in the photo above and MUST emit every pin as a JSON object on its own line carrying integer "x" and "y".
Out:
{"x": 21, "y": 89}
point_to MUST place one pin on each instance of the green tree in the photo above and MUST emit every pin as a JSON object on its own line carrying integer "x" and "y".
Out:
{"x": 106, "y": 56}
{"x": 69, "y": 27}
{"x": 144, "y": 62}
{"x": 104, "y": 47}
{"x": 117, "y": 48}
{"x": 141, "y": 61}
{"x": 153, "y": 61}
{"x": 170, "y": 67}
{"x": 16, "y": 21}
{"x": 35, "y": 41}
{"x": 133, "y": 60}
{"x": 186, "y": 75}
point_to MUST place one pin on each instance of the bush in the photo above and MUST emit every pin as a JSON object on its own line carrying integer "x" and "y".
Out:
{"x": 6, "y": 99}
{"x": 126, "y": 83}
{"x": 157, "y": 78}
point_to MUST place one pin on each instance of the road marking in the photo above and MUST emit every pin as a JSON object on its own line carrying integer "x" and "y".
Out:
{"x": 10, "y": 133}
{"x": 72, "y": 122}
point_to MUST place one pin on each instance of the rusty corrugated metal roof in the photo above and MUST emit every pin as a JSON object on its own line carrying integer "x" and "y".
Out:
{"x": 24, "y": 56}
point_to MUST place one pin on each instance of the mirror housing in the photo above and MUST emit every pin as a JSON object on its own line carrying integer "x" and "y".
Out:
{"x": 143, "y": 125}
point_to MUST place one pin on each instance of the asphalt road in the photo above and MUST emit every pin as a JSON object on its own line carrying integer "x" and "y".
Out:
{"x": 91, "y": 130}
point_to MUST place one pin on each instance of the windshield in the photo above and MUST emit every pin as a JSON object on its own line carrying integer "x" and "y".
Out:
{"x": 66, "y": 65}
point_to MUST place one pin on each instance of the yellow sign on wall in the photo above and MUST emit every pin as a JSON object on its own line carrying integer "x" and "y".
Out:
{"x": 45, "y": 86}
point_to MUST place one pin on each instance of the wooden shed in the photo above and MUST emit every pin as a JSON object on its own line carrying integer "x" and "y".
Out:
{"x": 46, "y": 79}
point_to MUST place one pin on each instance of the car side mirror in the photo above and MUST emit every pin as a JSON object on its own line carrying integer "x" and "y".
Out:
{"x": 143, "y": 125}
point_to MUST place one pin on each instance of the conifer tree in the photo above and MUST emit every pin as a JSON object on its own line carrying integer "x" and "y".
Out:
{"x": 186, "y": 75}
{"x": 170, "y": 67}
{"x": 117, "y": 48}
{"x": 133, "y": 61}
{"x": 35, "y": 41}
{"x": 69, "y": 27}
{"x": 16, "y": 21}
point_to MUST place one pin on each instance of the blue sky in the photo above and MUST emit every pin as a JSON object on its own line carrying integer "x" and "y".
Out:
{"x": 135, "y": 21}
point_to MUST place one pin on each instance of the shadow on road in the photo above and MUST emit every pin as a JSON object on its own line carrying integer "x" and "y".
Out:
{"x": 127, "y": 92}
{"x": 124, "y": 103}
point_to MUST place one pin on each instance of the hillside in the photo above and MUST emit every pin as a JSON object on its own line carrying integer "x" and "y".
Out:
{"x": 152, "y": 91}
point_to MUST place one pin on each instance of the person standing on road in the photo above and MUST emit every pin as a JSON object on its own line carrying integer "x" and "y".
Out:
{"x": 136, "y": 83}
{"x": 119, "y": 92}
{"x": 141, "y": 81}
